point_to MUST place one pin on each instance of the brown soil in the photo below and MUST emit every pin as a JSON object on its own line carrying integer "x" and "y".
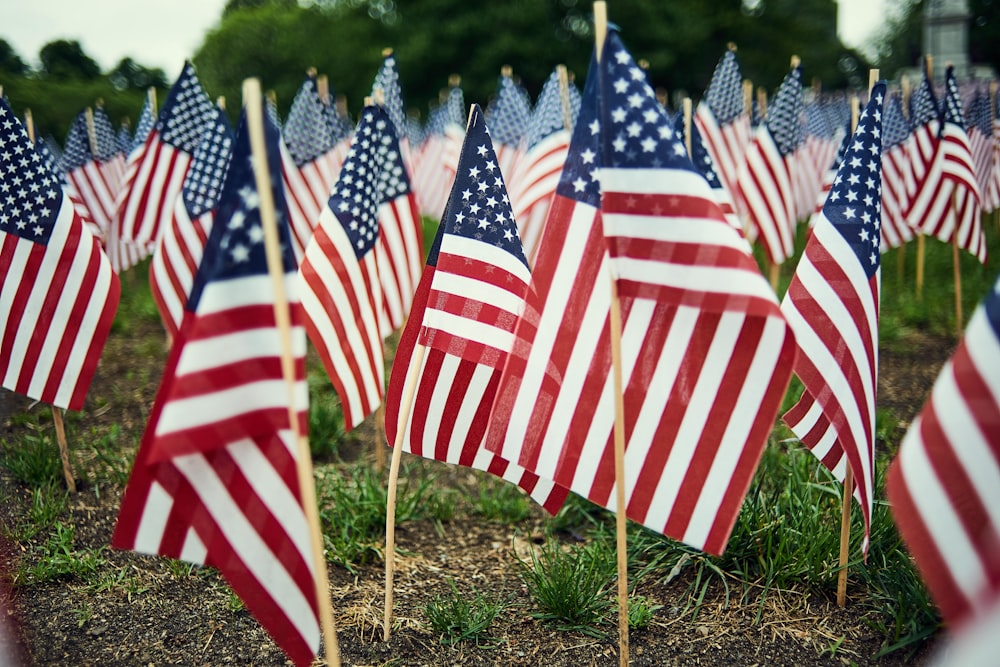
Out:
{"x": 153, "y": 612}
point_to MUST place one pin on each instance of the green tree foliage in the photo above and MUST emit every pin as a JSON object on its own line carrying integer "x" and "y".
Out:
{"x": 130, "y": 74}
{"x": 681, "y": 40}
{"x": 10, "y": 61}
{"x": 64, "y": 59}
{"x": 984, "y": 33}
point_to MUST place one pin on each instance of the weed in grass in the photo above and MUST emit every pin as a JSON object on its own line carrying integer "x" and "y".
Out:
{"x": 179, "y": 569}
{"x": 83, "y": 613}
{"x": 457, "y": 617}
{"x": 56, "y": 558}
{"x": 326, "y": 420}
{"x": 572, "y": 587}
{"x": 33, "y": 459}
{"x": 234, "y": 602}
{"x": 47, "y": 503}
{"x": 641, "y": 612}
{"x": 353, "y": 512}
{"x": 112, "y": 463}
{"x": 501, "y": 502}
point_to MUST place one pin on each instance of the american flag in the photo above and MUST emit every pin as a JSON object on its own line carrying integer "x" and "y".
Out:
{"x": 341, "y": 295}
{"x": 946, "y": 201}
{"x": 765, "y": 180}
{"x": 147, "y": 120}
{"x": 434, "y": 171}
{"x": 724, "y": 123}
{"x": 825, "y": 145}
{"x": 94, "y": 166}
{"x": 467, "y": 304}
{"x": 980, "y": 124}
{"x": 944, "y": 486}
{"x": 215, "y": 480}
{"x": 897, "y": 174}
{"x": 124, "y": 138}
{"x": 155, "y": 173}
{"x": 182, "y": 243}
{"x": 706, "y": 352}
{"x": 58, "y": 293}
{"x": 401, "y": 242}
{"x": 533, "y": 183}
{"x": 706, "y": 167}
{"x": 832, "y": 304}
{"x": 307, "y": 172}
{"x": 508, "y": 118}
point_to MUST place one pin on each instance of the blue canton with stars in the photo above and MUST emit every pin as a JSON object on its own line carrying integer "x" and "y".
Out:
{"x": 923, "y": 104}
{"x": 952, "y": 100}
{"x": 509, "y": 118}
{"x": 725, "y": 92}
{"x": 895, "y": 129}
{"x": 393, "y": 181}
{"x": 307, "y": 132}
{"x": 637, "y": 131}
{"x": 204, "y": 179}
{"x": 579, "y": 180}
{"x": 547, "y": 118}
{"x": 235, "y": 247}
{"x": 355, "y": 198}
{"x": 387, "y": 80}
{"x": 785, "y": 113}
{"x": 854, "y": 204}
{"x": 186, "y": 114}
{"x": 30, "y": 194}
{"x": 479, "y": 207}
{"x": 76, "y": 153}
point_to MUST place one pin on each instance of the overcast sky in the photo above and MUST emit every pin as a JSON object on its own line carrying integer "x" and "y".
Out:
{"x": 163, "y": 33}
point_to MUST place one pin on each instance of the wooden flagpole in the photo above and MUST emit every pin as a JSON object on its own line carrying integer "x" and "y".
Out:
{"x": 993, "y": 117}
{"x": 600, "y": 32}
{"x": 567, "y": 114}
{"x": 959, "y": 327}
{"x": 252, "y": 99}
{"x": 57, "y": 420}
{"x": 390, "y": 504}
{"x": 686, "y": 105}
{"x": 748, "y": 110}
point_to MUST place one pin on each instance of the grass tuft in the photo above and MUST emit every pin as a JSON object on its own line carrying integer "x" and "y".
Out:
{"x": 457, "y": 617}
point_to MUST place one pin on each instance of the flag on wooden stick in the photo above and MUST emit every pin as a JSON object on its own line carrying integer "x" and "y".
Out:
{"x": 468, "y": 301}
{"x": 342, "y": 294}
{"x": 215, "y": 480}
{"x": 706, "y": 353}
{"x": 832, "y": 304}
{"x": 58, "y": 293}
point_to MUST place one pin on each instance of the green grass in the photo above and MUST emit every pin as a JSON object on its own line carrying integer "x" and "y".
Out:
{"x": 572, "y": 587}
{"x": 56, "y": 558}
{"x": 33, "y": 459}
{"x": 457, "y": 616}
{"x": 352, "y": 511}
{"x": 499, "y": 501}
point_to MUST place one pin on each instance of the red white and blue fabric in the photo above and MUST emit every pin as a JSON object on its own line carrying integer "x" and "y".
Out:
{"x": 58, "y": 292}
{"x": 897, "y": 175}
{"x": 468, "y": 301}
{"x": 706, "y": 353}
{"x": 215, "y": 480}
{"x": 341, "y": 292}
{"x": 832, "y": 304}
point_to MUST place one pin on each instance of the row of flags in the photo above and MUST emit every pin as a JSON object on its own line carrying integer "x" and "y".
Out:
{"x": 504, "y": 360}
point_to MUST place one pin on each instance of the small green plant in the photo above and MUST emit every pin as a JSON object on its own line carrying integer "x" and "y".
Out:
{"x": 33, "y": 460}
{"x": 47, "y": 503}
{"x": 56, "y": 558}
{"x": 572, "y": 587}
{"x": 83, "y": 613}
{"x": 353, "y": 512}
{"x": 501, "y": 502}
{"x": 641, "y": 612}
{"x": 457, "y": 617}
{"x": 326, "y": 419}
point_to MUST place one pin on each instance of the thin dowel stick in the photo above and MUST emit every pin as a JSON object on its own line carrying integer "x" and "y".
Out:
{"x": 687, "y": 126}
{"x": 63, "y": 449}
{"x": 29, "y": 125}
{"x": 921, "y": 243}
{"x": 600, "y": 32}
{"x": 567, "y": 113}
{"x": 959, "y": 327}
{"x": 151, "y": 96}
{"x": 91, "y": 131}
{"x": 845, "y": 535}
{"x": 390, "y": 503}
{"x": 255, "y": 123}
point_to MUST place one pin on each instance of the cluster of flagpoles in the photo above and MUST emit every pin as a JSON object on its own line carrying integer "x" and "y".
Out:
{"x": 621, "y": 229}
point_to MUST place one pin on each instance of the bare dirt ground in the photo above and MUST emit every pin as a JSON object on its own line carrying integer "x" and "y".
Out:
{"x": 152, "y": 611}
